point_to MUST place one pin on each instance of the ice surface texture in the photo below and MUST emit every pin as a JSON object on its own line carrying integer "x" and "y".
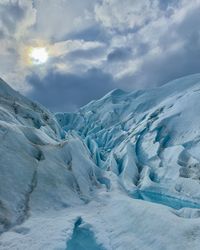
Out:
{"x": 121, "y": 173}
{"x": 40, "y": 167}
{"x": 150, "y": 139}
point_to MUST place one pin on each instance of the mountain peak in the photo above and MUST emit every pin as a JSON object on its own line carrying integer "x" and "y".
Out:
{"x": 6, "y": 90}
{"x": 116, "y": 92}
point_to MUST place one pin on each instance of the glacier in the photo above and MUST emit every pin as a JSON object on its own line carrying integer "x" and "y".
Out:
{"x": 123, "y": 172}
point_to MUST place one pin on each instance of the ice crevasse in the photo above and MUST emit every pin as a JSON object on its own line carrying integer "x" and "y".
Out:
{"x": 123, "y": 172}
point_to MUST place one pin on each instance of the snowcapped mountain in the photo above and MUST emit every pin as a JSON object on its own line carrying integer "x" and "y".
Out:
{"x": 121, "y": 173}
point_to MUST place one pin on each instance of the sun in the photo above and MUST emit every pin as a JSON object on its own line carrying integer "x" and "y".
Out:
{"x": 38, "y": 55}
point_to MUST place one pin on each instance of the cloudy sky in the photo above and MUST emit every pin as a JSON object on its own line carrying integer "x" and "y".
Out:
{"x": 94, "y": 46}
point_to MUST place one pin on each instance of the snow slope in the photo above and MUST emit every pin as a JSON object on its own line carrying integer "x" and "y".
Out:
{"x": 122, "y": 173}
{"x": 41, "y": 168}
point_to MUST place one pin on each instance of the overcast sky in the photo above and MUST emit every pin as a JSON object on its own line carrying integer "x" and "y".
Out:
{"x": 95, "y": 46}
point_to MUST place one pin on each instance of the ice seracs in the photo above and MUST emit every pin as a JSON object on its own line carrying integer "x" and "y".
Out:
{"x": 123, "y": 172}
{"x": 155, "y": 129}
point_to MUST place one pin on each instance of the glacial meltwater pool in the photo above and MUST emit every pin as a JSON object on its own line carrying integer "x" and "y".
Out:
{"x": 163, "y": 199}
{"x": 83, "y": 239}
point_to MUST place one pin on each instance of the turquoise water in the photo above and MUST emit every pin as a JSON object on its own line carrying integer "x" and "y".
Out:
{"x": 83, "y": 239}
{"x": 167, "y": 200}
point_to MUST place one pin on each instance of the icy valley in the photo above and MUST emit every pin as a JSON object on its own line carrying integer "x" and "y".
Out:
{"x": 121, "y": 173}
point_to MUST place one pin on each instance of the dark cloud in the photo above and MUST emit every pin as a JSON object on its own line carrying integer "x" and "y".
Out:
{"x": 119, "y": 54}
{"x": 186, "y": 59}
{"x": 83, "y": 53}
{"x": 93, "y": 33}
{"x": 11, "y": 14}
{"x": 164, "y": 5}
{"x": 189, "y": 26}
{"x": 141, "y": 44}
{"x": 142, "y": 49}
{"x": 160, "y": 70}
{"x": 171, "y": 64}
{"x": 66, "y": 92}
{"x": 2, "y": 35}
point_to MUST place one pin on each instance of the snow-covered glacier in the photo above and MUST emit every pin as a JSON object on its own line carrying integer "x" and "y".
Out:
{"x": 121, "y": 173}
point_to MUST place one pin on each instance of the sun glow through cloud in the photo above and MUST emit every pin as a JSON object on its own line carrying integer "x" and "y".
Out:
{"x": 38, "y": 55}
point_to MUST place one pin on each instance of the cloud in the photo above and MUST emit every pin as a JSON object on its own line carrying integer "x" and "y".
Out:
{"x": 11, "y": 14}
{"x": 163, "y": 49}
{"x": 16, "y": 19}
{"x": 126, "y": 14}
{"x": 16, "y": 16}
{"x": 119, "y": 54}
{"x": 169, "y": 4}
{"x": 73, "y": 56}
{"x": 127, "y": 44}
{"x": 64, "y": 17}
{"x": 94, "y": 33}
{"x": 69, "y": 46}
{"x": 67, "y": 92}
{"x": 88, "y": 54}
{"x": 174, "y": 61}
